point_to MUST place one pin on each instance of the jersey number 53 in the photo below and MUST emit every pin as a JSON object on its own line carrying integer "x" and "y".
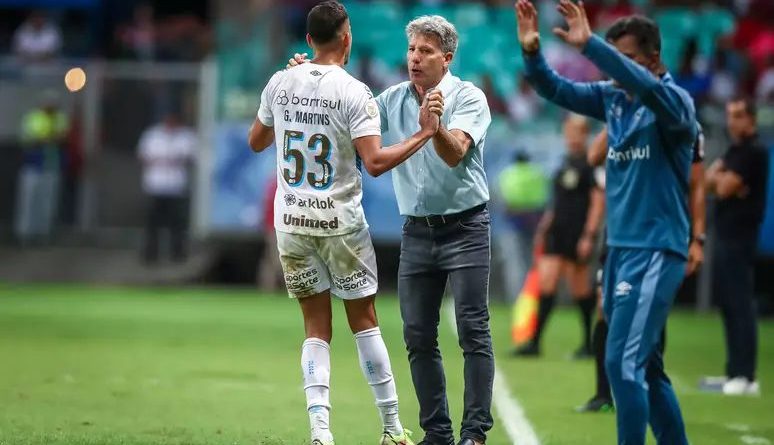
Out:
{"x": 297, "y": 176}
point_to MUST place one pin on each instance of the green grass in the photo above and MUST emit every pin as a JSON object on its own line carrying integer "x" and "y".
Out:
{"x": 99, "y": 365}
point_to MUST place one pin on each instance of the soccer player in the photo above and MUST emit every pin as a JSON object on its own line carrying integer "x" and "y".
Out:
{"x": 567, "y": 232}
{"x": 325, "y": 122}
{"x": 651, "y": 129}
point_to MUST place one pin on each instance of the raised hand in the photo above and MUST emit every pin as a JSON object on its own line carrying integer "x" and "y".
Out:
{"x": 527, "y": 22}
{"x": 297, "y": 59}
{"x": 430, "y": 113}
{"x": 579, "y": 30}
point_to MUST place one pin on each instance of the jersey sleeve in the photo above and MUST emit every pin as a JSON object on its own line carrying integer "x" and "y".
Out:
{"x": 362, "y": 112}
{"x": 698, "y": 147}
{"x": 471, "y": 114}
{"x": 265, "y": 115}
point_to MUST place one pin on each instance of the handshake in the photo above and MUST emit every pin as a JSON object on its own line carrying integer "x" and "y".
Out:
{"x": 430, "y": 111}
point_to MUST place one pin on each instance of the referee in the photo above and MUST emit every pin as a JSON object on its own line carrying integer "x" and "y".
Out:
{"x": 567, "y": 233}
{"x": 651, "y": 129}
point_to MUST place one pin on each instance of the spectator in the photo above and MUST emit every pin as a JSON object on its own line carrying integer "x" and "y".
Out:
{"x": 166, "y": 151}
{"x": 37, "y": 39}
{"x": 496, "y": 103}
{"x": 723, "y": 84}
{"x": 43, "y": 133}
{"x": 524, "y": 190}
{"x": 138, "y": 38}
{"x": 524, "y": 103}
{"x": 691, "y": 77}
{"x": 738, "y": 180}
{"x": 373, "y": 72}
{"x": 765, "y": 90}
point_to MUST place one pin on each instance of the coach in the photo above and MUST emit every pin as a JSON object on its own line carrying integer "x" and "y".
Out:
{"x": 442, "y": 191}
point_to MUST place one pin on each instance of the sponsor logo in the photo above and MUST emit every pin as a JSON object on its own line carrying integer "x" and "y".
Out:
{"x": 316, "y": 73}
{"x": 283, "y": 99}
{"x": 313, "y": 102}
{"x": 632, "y": 154}
{"x": 353, "y": 281}
{"x": 623, "y": 288}
{"x": 302, "y": 281}
{"x": 290, "y": 199}
{"x": 303, "y": 221}
{"x": 309, "y": 203}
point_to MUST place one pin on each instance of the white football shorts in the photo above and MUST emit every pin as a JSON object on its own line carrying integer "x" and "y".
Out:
{"x": 345, "y": 264}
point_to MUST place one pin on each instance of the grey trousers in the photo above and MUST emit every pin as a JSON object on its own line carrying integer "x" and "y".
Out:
{"x": 458, "y": 252}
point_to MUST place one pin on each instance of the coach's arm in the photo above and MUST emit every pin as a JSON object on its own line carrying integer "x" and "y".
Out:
{"x": 467, "y": 125}
{"x": 378, "y": 159}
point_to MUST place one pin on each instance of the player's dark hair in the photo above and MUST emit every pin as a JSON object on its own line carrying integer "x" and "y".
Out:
{"x": 644, "y": 30}
{"x": 324, "y": 21}
{"x": 750, "y": 108}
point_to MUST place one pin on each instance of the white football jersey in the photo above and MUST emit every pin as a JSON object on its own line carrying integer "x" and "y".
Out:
{"x": 317, "y": 111}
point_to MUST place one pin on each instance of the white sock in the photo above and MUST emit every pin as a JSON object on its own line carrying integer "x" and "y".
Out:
{"x": 316, "y": 369}
{"x": 375, "y": 363}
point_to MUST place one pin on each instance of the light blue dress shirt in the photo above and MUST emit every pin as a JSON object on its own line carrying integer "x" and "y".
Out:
{"x": 424, "y": 184}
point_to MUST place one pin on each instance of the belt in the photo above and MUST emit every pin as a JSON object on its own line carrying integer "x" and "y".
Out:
{"x": 441, "y": 220}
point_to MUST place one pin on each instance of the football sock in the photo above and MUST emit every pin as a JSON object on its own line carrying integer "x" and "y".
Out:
{"x": 586, "y": 305}
{"x": 375, "y": 363}
{"x": 316, "y": 369}
{"x": 599, "y": 339}
{"x": 545, "y": 307}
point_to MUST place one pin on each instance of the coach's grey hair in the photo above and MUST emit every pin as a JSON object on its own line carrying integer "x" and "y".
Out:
{"x": 437, "y": 26}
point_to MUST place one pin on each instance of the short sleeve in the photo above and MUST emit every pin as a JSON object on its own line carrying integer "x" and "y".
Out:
{"x": 471, "y": 114}
{"x": 362, "y": 112}
{"x": 265, "y": 115}
{"x": 143, "y": 146}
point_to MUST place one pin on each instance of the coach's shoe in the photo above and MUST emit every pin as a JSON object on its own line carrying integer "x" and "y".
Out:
{"x": 597, "y": 405}
{"x": 402, "y": 439}
{"x": 469, "y": 442}
{"x": 741, "y": 386}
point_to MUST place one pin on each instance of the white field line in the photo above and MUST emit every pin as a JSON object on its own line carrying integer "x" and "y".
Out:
{"x": 507, "y": 408}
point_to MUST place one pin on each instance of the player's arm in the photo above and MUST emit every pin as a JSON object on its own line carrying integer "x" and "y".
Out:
{"x": 378, "y": 159}
{"x": 467, "y": 126}
{"x": 598, "y": 150}
{"x": 579, "y": 97}
{"x": 261, "y": 133}
{"x": 260, "y": 136}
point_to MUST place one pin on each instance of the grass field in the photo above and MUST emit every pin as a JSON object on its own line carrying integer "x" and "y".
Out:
{"x": 88, "y": 365}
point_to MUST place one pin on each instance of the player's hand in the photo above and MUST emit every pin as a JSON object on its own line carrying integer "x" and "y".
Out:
{"x": 527, "y": 22}
{"x": 429, "y": 122}
{"x": 297, "y": 59}
{"x": 579, "y": 30}
{"x": 695, "y": 258}
{"x": 435, "y": 102}
{"x": 585, "y": 247}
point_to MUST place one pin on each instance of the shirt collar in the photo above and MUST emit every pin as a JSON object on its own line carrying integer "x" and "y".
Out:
{"x": 446, "y": 85}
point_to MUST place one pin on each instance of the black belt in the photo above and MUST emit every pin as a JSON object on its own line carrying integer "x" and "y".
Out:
{"x": 440, "y": 220}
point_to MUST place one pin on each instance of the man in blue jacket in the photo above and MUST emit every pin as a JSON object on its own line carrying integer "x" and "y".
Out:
{"x": 651, "y": 130}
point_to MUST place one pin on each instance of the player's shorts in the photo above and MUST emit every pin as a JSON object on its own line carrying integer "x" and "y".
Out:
{"x": 562, "y": 240}
{"x": 345, "y": 264}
